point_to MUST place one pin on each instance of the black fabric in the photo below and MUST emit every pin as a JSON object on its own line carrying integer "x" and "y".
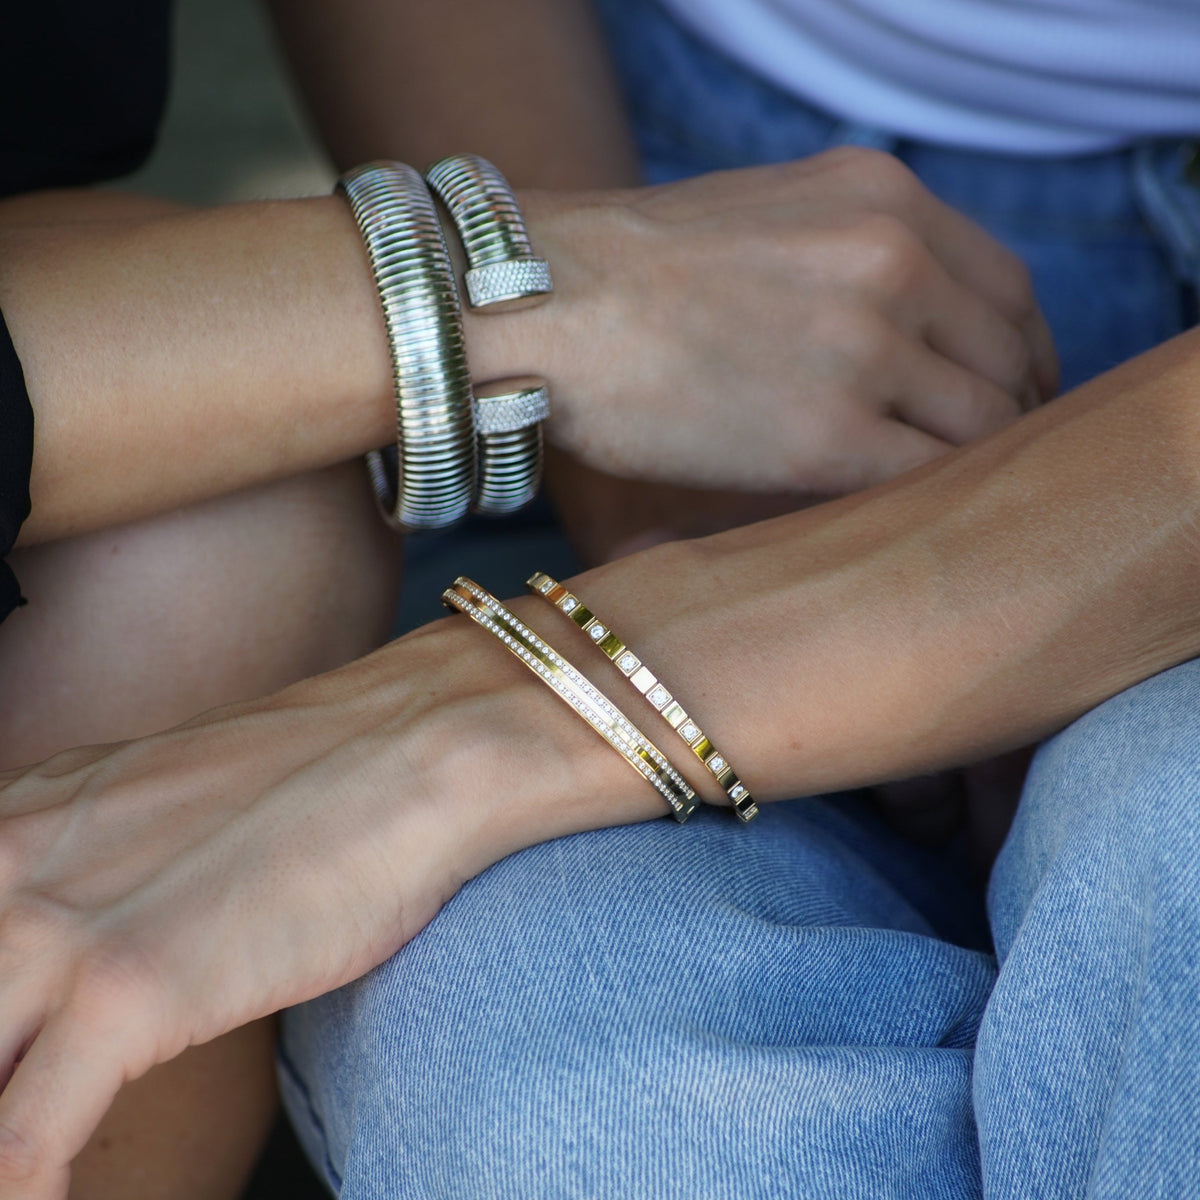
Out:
{"x": 16, "y": 458}
{"x": 83, "y": 85}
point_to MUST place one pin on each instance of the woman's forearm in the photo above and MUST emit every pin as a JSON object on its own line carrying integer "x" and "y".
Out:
{"x": 173, "y": 355}
{"x": 191, "y": 354}
{"x": 979, "y": 603}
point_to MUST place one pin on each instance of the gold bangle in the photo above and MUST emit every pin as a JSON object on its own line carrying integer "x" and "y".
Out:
{"x": 577, "y": 691}
{"x": 642, "y": 678}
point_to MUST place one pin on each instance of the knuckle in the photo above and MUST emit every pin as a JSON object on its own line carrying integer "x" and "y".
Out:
{"x": 892, "y": 257}
{"x": 880, "y": 178}
{"x": 110, "y": 981}
{"x": 849, "y": 160}
{"x": 857, "y": 338}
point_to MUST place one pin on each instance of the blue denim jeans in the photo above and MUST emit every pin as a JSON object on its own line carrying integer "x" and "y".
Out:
{"x": 804, "y": 1007}
{"x": 782, "y": 1010}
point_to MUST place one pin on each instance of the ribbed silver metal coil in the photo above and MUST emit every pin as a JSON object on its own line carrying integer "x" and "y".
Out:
{"x": 489, "y": 222}
{"x": 432, "y": 481}
{"x": 502, "y": 266}
{"x": 483, "y": 208}
{"x": 510, "y": 470}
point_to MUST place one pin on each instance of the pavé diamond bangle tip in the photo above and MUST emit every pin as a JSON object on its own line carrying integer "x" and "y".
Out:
{"x": 502, "y": 269}
{"x": 502, "y": 273}
{"x": 508, "y": 418}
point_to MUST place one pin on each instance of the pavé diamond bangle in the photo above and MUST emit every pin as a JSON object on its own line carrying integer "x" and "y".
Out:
{"x": 430, "y": 481}
{"x": 502, "y": 273}
{"x": 507, "y": 423}
{"x": 502, "y": 268}
{"x": 642, "y": 678}
{"x": 577, "y": 691}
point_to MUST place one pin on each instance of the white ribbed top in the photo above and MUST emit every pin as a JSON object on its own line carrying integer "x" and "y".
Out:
{"x": 1016, "y": 76}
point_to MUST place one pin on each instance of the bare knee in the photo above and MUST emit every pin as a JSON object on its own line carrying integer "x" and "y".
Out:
{"x": 191, "y": 1128}
{"x": 141, "y": 626}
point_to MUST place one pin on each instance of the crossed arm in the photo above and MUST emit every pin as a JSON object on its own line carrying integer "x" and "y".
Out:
{"x": 866, "y": 325}
{"x": 873, "y": 330}
{"x": 978, "y": 603}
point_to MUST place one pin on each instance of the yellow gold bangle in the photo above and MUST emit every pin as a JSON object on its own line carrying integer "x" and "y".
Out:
{"x": 577, "y": 691}
{"x": 646, "y": 682}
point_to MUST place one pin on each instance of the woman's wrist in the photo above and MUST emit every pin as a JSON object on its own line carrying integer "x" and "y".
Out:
{"x": 505, "y": 761}
{"x": 537, "y": 340}
{"x": 973, "y": 606}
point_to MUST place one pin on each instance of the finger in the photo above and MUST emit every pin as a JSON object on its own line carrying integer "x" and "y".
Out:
{"x": 904, "y": 281}
{"x": 884, "y": 450}
{"x": 1045, "y": 356}
{"x": 55, "y": 1099}
{"x": 969, "y": 332}
{"x": 982, "y": 265}
{"x": 29, "y": 977}
{"x": 943, "y": 399}
{"x": 21, "y": 1024}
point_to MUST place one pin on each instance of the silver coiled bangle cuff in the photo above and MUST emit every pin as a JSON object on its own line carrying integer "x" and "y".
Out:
{"x": 508, "y": 418}
{"x": 502, "y": 273}
{"x": 501, "y": 265}
{"x": 430, "y": 482}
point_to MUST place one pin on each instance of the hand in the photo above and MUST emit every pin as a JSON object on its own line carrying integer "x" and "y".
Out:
{"x": 606, "y": 518}
{"x": 813, "y": 328}
{"x": 151, "y": 894}
{"x": 979, "y": 800}
{"x": 158, "y": 893}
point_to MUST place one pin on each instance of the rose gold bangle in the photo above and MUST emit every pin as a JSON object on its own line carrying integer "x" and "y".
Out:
{"x": 646, "y": 682}
{"x": 575, "y": 690}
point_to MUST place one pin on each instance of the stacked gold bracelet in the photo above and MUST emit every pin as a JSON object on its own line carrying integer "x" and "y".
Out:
{"x": 575, "y": 690}
{"x": 648, "y": 684}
